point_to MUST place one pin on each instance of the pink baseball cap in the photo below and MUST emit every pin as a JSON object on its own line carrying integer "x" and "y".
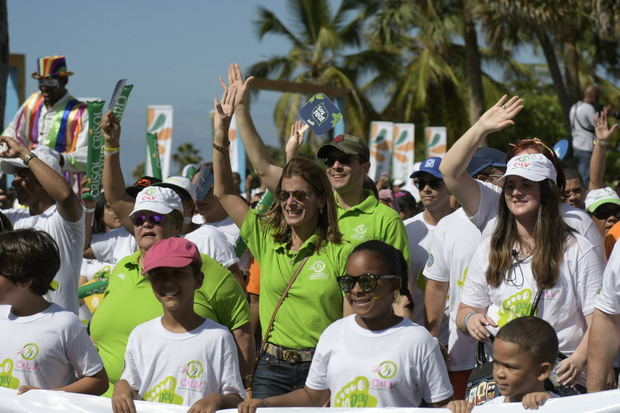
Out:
{"x": 171, "y": 252}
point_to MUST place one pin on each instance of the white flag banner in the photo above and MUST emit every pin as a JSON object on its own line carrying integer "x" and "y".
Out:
{"x": 236, "y": 151}
{"x": 436, "y": 140}
{"x": 49, "y": 401}
{"x": 403, "y": 147}
{"x": 380, "y": 145}
{"x": 159, "y": 122}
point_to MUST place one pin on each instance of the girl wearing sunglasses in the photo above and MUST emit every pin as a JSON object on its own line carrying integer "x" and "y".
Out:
{"x": 357, "y": 361}
{"x": 531, "y": 261}
{"x": 298, "y": 235}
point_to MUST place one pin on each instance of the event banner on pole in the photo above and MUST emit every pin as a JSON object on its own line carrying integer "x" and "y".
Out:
{"x": 159, "y": 122}
{"x": 436, "y": 140}
{"x": 236, "y": 151}
{"x": 403, "y": 147}
{"x": 380, "y": 144}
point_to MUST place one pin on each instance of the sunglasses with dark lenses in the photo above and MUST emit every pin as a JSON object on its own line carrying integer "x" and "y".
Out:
{"x": 367, "y": 281}
{"x": 421, "y": 183}
{"x": 155, "y": 219}
{"x": 607, "y": 210}
{"x": 344, "y": 159}
{"x": 298, "y": 195}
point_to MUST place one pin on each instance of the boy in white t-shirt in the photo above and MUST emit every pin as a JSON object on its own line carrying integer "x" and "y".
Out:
{"x": 42, "y": 345}
{"x": 179, "y": 358}
{"x": 524, "y": 352}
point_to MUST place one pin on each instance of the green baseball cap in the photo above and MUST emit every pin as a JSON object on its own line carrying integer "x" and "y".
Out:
{"x": 349, "y": 144}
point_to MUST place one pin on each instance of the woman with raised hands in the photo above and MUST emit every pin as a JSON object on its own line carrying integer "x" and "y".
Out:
{"x": 297, "y": 244}
{"x": 531, "y": 262}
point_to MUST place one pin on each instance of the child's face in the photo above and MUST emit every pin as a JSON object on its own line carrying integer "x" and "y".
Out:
{"x": 174, "y": 287}
{"x": 378, "y": 302}
{"x": 514, "y": 370}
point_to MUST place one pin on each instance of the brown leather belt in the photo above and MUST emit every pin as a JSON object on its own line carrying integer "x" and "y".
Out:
{"x": 290, "y": 355}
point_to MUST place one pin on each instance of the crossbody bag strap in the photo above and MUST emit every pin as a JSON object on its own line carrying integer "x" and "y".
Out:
{"x": 536, "y": 301}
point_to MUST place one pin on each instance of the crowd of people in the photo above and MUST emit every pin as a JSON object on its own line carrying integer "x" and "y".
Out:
{"x": 342, "y": 292}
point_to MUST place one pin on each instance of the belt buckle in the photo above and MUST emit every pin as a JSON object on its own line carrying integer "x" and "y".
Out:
{"x": 291, "y": 356}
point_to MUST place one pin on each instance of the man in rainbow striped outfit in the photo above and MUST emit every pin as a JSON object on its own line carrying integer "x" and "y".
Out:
{"x": 52, "y": 117}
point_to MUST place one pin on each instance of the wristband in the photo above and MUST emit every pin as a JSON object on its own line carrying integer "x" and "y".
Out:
{"x": 29, "y": 157}
{"x": 468, "y": 317}
{"x": 601, "y": 143}
{"x": 111, "y": 148}
{"x": 89, "y": 210}
{"x": 222, "y": 149}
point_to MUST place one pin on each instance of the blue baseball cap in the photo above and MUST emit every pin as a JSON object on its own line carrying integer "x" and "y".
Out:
{"x": 485, "y": 157}
{"x": 429, "y": 166}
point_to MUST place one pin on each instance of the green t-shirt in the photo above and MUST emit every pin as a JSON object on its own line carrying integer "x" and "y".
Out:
{"x": 314, "y": 300}
{"x": 373, "y": 220}
{"x": 129, "y": 301}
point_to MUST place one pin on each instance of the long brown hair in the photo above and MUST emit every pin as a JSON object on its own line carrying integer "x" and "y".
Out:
{"x": 315, "y": 176}
{"x": 550, "y": 237}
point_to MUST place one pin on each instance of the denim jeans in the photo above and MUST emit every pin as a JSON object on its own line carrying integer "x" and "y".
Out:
{"x": 582, "y": 159}
{"x": 274, "y": 377}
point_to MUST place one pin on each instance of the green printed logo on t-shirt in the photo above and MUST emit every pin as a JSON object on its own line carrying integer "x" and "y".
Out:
{"x": 461, "y": 281}
{"x": 355, "y": 394}
{"x": 29, "y": 352}
{"x": 164, "y": 392}
{"x": 6, "y": 375}
{"x": 515, "y": 306}
{"x": 387, "y": 369}
{"x": 193, "y": 369}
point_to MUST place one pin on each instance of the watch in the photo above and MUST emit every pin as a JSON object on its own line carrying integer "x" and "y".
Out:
{"x": 29, "y": 157}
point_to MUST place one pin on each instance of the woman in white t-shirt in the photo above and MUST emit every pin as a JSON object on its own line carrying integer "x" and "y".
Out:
{"x": 533, "y": 260}
{"x": 356, "y": 363}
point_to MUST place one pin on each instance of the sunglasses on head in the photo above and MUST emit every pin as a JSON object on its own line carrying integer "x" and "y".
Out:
{"x": 298, "y": 195}
{"x": 367, "y": 281}
{"x": 343, "y": 159}
{"x": 421, "y": 183}
{"x": 607, "y": 210}
{"x": 154, "y": 219}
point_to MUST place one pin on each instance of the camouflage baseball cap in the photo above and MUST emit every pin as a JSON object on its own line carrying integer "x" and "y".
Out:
{"x": 349, "y": 144}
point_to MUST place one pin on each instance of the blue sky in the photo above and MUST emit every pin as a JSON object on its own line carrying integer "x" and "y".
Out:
{"x": 172, "y": 51}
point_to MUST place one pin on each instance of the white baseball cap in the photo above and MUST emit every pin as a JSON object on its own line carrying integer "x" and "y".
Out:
{"x": 533, "y": 166}
{"x": 47, "y": 155}
{"x": 598, "y": 197}
{"x": 179, "y": 182}
{"x": 157, "y": 199}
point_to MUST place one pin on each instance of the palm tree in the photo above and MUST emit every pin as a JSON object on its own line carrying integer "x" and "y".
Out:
{"x": 185, "y": 154}
{"x": 319, "y": 41}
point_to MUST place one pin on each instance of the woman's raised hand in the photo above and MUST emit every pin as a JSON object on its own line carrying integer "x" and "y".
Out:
{"x": 500, "y": 115}
{"x": 235, "y": 78}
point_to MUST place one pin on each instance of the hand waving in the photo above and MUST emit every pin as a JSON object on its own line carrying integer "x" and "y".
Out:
{"x": 501, "y": 114}
{"x": 295, "y": 140}
{"x": 235, "y": 78}
{"x": 601, "y": 127}
{"x": 224, "y": 109}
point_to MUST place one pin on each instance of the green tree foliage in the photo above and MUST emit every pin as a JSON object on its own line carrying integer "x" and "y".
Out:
{"x": 185, "y": 154}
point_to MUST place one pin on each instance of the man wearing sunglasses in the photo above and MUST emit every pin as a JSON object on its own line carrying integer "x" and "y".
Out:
{"x": 361, "y": 217}
{"x": 603, "y": 205}
{"x": 52, "y": 117}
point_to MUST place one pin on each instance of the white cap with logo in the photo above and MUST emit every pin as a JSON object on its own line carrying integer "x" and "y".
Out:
{"x": 157, "y": 199}
{"x": 533, "y": 166}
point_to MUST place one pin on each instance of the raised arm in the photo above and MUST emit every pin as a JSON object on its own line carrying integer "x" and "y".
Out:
{"x": 234, "y": 206}
{"x": 254, "y": 145}
{"x": 67, "y": 202}
{"x": 599, "y": 152}
{"x": 454, "y": 164}
{"x": 295, "y": 140}
{"x": 113, "y": 182}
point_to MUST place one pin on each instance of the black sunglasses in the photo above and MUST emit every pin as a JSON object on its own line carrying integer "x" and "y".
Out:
{"x": 155, "y": 219}
{"x": 607, "y": 210}
{"x": 367, "y": 281}
{"x": 344, "y": 159}
{"x": 433, "y": 183}
{"x": 298, "y": 195}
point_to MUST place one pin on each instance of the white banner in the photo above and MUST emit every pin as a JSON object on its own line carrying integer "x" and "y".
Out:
{"x": 403, "y": 147}
{"x": 48, "y": 401}
{"x": 237, "y": 152}
{"x": 436, "y": 140}
{"x": 159, "y": 121}
{"x": 380, "y": 145}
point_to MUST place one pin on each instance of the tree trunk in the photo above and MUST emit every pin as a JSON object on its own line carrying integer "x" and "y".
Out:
{"x": 571, "y": 61}
{"x": 556, "y": 74}
{"x": 474, "y": 72}
{"x": 4, "y": 58}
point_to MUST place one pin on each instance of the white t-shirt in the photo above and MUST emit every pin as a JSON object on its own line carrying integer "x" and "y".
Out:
{"x": 580, "y": 221}
{"x": 181, "y": 368}
{"x": 420, "y": 235}
{"x": 456, "y": 240}
{"x": 213, "y": 242}
{"x": 608, "y": 300}
{"x": 396, "y": 367}
{"x": 114, "y": 245}
{"x": 49, "y": 349}
{"x": 581, "y": 116}
{"x": 70, "y": 239}
{"x": 564, "y": 306}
